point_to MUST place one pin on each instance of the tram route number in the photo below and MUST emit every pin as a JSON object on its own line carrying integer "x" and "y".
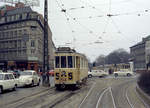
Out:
{"x": 70, "y": 76}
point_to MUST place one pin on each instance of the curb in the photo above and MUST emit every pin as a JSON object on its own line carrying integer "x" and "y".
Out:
{"x": 143, "y": 95}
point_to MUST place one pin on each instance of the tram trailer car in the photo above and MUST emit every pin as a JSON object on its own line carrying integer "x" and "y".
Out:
{"x": 71, "y": 68}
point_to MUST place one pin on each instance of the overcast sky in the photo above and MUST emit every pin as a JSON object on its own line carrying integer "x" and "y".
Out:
{"x": 86, "y": 26}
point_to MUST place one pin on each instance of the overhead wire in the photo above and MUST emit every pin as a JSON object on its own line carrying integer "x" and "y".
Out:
{"x": 65, "y": 13}
{"x": 68, "y": 17}
{"x": 119, "y": 31}
{"x": 74, "y": 19}
{"x": 68, "y": 23}
{"x": 93, "y": 7}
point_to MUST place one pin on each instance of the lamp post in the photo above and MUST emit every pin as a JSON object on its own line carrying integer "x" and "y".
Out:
{"x": 45, "y": 75}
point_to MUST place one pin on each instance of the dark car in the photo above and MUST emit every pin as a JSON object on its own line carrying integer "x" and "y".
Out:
{"x": 17, "y": 73}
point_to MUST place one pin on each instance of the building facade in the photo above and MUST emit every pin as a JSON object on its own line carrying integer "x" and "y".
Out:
{"x": 21, "y": 39}
{"x": 140, "y": 54}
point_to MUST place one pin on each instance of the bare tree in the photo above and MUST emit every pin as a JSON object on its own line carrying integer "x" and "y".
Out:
{"x": 115, "y": 57}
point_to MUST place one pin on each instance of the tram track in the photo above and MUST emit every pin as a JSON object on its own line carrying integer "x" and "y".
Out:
{"x": 140, "y": 98}
{"x": 64, "y": 99}
{"x": 48, "y": 99}
{"x": 86, "y": 95}
{"x": 23, "y": 100}
{"x": 133, "y": 99}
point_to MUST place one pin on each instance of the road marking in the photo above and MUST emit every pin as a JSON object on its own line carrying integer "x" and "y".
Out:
{"x": 112, "y": 97}
{"x": 129, "y": 100}
{"x": 145, "y": 104}
{"x": 101, "y": 96}
{"x": 87, "y": 95}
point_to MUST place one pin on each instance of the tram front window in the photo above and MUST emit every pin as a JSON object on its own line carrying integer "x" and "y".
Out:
{"x": 57, "y": 62}
{"x": 70, "y": 63}
{"x": 63, "y": 61}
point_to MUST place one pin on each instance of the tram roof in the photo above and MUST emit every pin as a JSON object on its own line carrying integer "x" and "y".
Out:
{"x": 68, "y": 50}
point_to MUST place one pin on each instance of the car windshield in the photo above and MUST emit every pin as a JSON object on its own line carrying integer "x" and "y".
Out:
{"x": 1, "y": 76}
{"x": 25, "y": 73}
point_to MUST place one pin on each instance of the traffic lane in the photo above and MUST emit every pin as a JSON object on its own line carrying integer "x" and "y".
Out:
{"x": 92, "y": 98}
{"x": 119, "y": 94}
{"x": 11, "y": 96}
{"x": 86, "y": 97}
{"x": 135, "y": 99}
{"x": 105, "y": 100}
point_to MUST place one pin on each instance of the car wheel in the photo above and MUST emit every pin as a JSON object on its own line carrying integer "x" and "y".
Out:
{"x": 116, "y": 74}
{"x": 14, "y": 89}
{"x": 32, "y": 84}
{"x": 90, "y": 76}
{"x": 128, "y": 74}
{"x": 1, "y": 90}
{"x": 38, "y": 83}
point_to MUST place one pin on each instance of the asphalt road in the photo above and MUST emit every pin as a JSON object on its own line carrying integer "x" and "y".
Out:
{"x": 97, "y": 93}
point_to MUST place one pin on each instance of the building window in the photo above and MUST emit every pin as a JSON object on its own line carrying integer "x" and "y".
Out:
{"x": 24, "y": 44}
{"x": 15, "y": 33}
{"x": 11, "y": 34}
{"x": 5, "y": 19}
{"x": 32, "y": 51}
{"x": 33, "y": 28}
{"x": 25, "y": 31}
{"x": 24, "y": 52}
{"x": 20, "y": 17}
{"x": 19, "y": 44}
{"x": 15, "y": 44}
{"x": 20, "y": 32}
{"x": 32, "y": 43}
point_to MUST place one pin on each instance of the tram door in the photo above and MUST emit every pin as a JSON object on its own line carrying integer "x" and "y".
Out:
{"x": 78, "y": 66}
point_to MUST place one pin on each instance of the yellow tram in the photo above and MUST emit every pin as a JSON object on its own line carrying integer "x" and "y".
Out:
{"x": 71, "y": 68}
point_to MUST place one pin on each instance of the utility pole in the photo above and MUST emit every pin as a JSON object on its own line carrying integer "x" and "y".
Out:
{"x": 45, "y": 74}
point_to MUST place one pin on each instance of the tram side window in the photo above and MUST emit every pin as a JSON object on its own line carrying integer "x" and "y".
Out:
{"x": 63, "y": 61}
{"x": 77, "y": 62}
{"x": 70, "y": 62}
{"x": 57, "y": 65}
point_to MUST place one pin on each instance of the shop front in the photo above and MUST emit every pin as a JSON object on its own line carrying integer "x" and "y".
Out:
{"x": 3, "y": 65}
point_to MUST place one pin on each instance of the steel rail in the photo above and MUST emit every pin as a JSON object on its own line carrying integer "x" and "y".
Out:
{"x": 100, "y": 98}
{"x": 86, "y": 95}
{"x": 43, "y": 92}
{"x": 145, "y": 104}
{"x": 128, "y": 100}
{"x": 112, "y": 97}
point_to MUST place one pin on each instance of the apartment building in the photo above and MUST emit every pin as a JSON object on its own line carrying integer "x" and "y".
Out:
{"x": 21, "y": 39}
{"x": 140, "y": 54}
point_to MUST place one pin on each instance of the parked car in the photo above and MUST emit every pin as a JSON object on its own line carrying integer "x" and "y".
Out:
{"x": 29, "y": 77}
{"x": 98, "y": 73}
{"x": 123, "y": 72}
{"x": 7, "y": 81}
{"x": 16, "y": 73}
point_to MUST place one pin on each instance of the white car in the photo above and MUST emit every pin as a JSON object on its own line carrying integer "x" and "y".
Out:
{"x": 7, "y": 81}
{"x": 99, "y": 73}
{"x": 123, "y": 72}
{"x": 29, "y": 77}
